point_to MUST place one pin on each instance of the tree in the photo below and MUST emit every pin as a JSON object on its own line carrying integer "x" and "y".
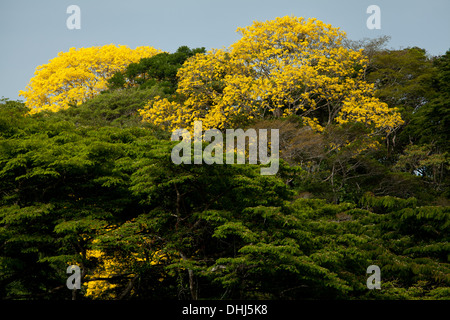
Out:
{"x": 77, "y": 75}
{"x": 278, "y": 68}
{"x": 161, "y": 69}
{"x": 410, "y": 244}
{"x": 403, "y": 79}
{"x": 430, "y": 122}
{"x": 111, "y": 108}
{"x": 337, "y": 164}
{"x": 426, "y": 136}
{"x": 370, "y": 46}
{"x": 60, "y": 187}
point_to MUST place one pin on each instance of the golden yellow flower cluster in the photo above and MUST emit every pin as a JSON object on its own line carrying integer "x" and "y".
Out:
{"x": 77, "y": 75}
{"x": 280, "y": 67}
{"x": 96, "y": 288}
{"x": 98, "y": 285}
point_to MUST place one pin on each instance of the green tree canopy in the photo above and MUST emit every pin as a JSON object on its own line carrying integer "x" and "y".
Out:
{"x": 160, "y": 69}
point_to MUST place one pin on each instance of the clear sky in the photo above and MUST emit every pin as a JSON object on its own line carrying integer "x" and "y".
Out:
{"x": 33, "y": 32}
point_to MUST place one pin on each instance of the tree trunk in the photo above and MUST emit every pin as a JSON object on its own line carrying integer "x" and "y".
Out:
{"x": 192, "y": 288}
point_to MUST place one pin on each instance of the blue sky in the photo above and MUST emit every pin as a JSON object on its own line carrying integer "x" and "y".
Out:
{"x": 33, "y": 32}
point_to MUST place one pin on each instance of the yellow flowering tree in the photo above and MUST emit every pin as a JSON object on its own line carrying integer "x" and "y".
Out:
{"x": 278, "y": 68}
{"x": 77, "y": 75}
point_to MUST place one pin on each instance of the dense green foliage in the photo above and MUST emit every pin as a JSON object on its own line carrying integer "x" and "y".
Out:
{"x": 159, "y": 70}
{"x": 94, "y": 178}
